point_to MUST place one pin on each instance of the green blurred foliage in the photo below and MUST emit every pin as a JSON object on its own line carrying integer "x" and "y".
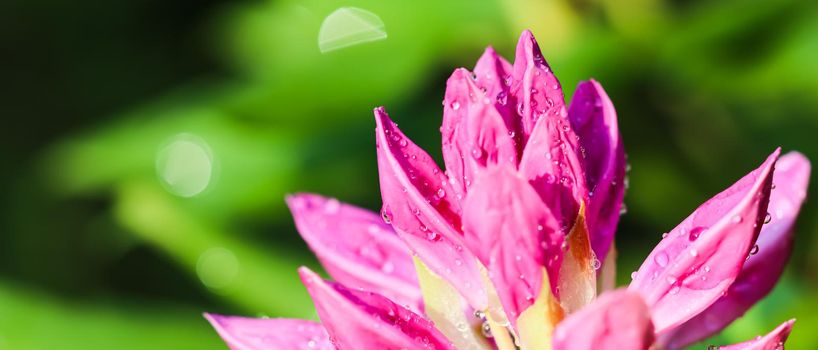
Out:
{"x": 96, "y": 251}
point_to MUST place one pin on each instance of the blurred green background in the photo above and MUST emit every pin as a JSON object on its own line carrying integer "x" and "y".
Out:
{"x": 147, "y": 145}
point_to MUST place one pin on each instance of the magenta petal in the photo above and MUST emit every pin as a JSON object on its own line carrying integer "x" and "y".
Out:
{"x": 536, "y": 90}
{"x": 617, "y": 320}
{"x": 697, "y": 261}
{"x": 762, "y": 271}
{"x": 493, "y": 73}
{"x": 514, "y": 234}
{"x": 551, "y": 159}
{"x": 418, "y": 201}
{"x": 475, "y": 135}
{"x": 593, "y": 118}
{"x": 773, "y": 341}
{"x": 356, "y": 247}
{"x": 551, "y": 162}
{"x": 242, "y": 333}
{"x": 366, "y": 320}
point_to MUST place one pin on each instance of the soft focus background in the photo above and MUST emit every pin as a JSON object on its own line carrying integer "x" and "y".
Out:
{"x": 147, "y": 145}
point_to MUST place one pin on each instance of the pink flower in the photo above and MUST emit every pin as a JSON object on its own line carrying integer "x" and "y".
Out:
{"x": 510, "y": 245}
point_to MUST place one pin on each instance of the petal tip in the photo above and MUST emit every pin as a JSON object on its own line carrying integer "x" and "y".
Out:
{"x": 307, "y": 276}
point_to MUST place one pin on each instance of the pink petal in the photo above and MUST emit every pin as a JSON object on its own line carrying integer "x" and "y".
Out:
{"x": 551, "y": 162}
{"x": 365, "y": 320}
{"x": 356, "y": 247}
{"x": 514, "y": 234}
{"x": 535, "y": 88}
{"x": 475, "y": 135}
{"x": 493, "y": 73}
{"x": 617, "y": 320}
{"x": 593, "y": 118}
{"x": 773, "y": 341}
{"x": 697, "y": 261}
{"x": 242, "y": 333}
{"x": 418, "y": 201}
{"x": 762, "y": 271}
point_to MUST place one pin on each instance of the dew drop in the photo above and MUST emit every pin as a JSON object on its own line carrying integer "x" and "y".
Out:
{"x": 767, "y": 218}
{"x": 502, "y": 98}
{"x": 332, "y": 206}
{"x": 441, "y": 193}
{"x": 486, "y": 330}
{"x": 595, "y": 263}
{"x": 455, "y": 105}
{"x": 386, "y": 215}
{"x": 695, "y": 233}
{"x": 476, "y": 153}
{"x": 661, "y": 259}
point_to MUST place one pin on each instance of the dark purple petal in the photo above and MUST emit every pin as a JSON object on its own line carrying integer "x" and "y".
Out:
{"x": 593, "y": 119}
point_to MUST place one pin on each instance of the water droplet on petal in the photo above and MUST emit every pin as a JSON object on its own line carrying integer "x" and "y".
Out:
{"x": 386, "y": 215}
{"x": 332, "y": 206}
{"x": 502, "y": 98}
{"x": 661, "y": 259}
{"x": 695, "y": 233}
{"x": 671, "y": 280}
{"x": 595, "y": 263}
{"x": 476, "y": 153}
{"x": 754, "y": 250}
{"x": 486, "y": 330}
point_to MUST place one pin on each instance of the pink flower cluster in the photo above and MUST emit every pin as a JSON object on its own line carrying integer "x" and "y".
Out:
{"x": 512, "y": 245}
